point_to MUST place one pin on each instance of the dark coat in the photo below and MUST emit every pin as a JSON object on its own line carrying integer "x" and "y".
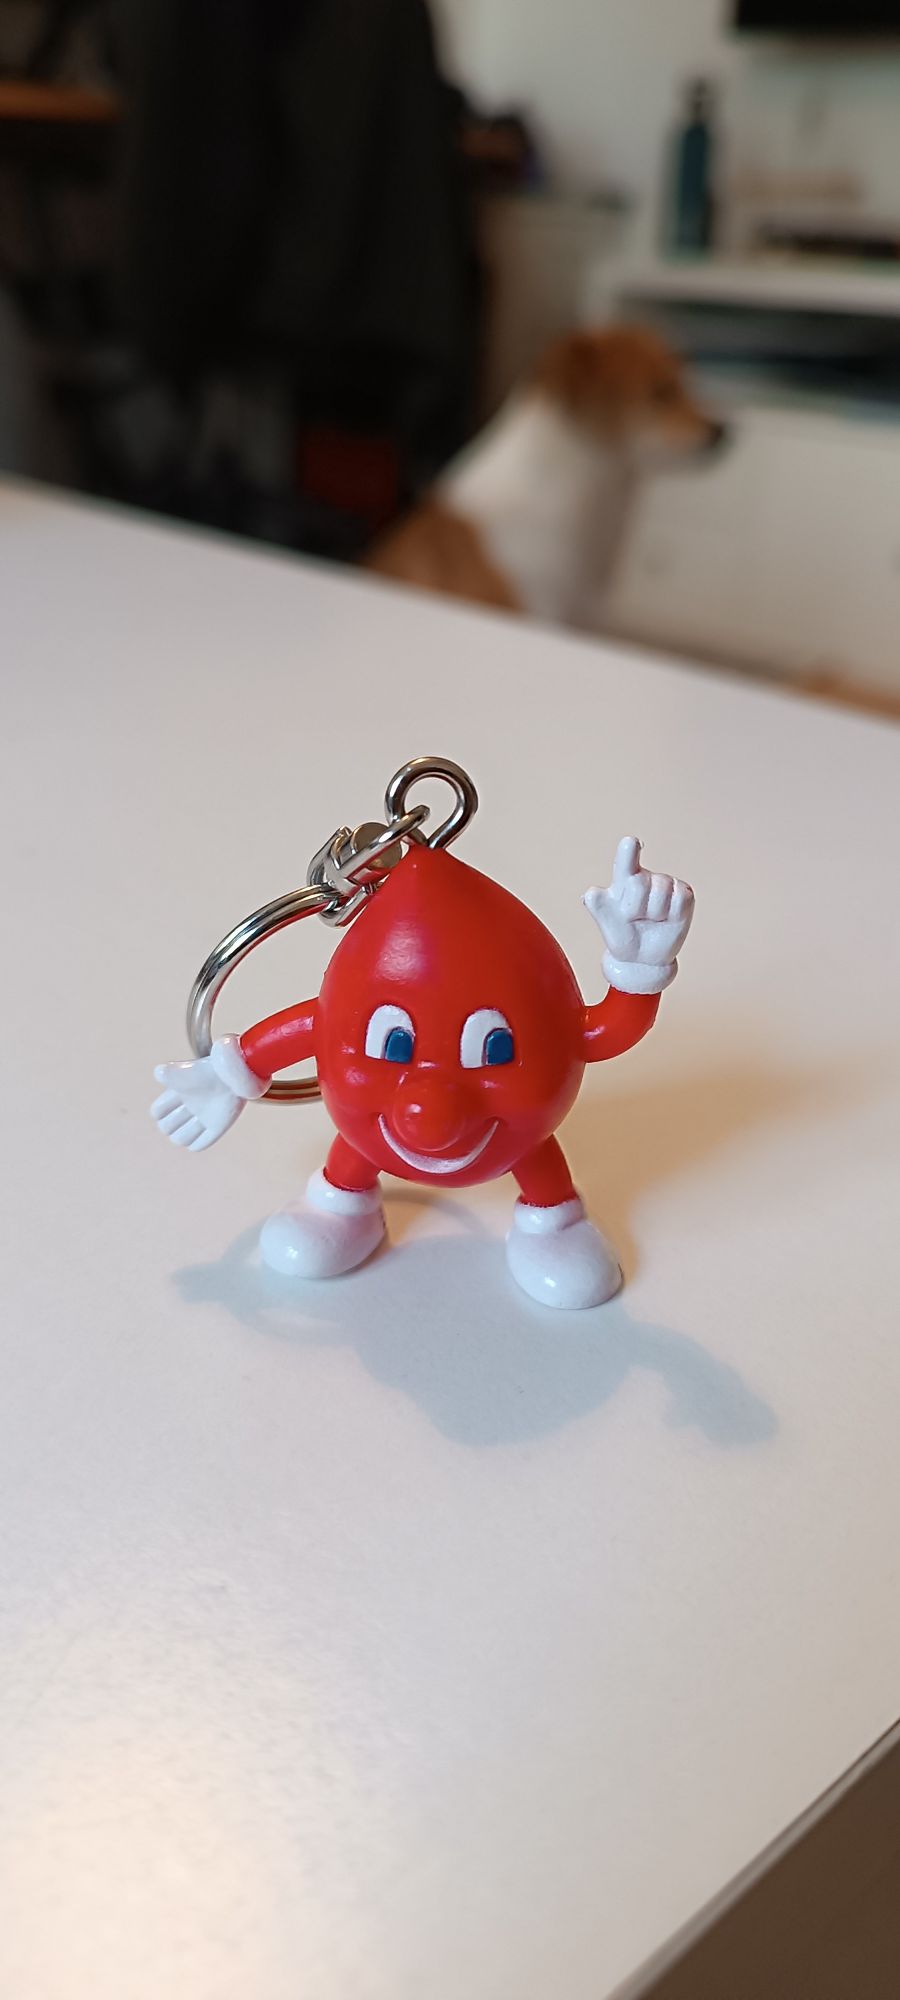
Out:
{"x": 294, "y": 192}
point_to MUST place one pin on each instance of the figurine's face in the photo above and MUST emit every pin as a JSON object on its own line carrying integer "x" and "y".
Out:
{"x": 449, "y": 1036}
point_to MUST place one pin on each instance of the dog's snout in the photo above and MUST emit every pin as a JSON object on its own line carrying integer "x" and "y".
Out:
{"x": 719, "y": 434}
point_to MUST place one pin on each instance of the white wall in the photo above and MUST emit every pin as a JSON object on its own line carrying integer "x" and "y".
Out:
{"x": 602, "y": 79}
{"x": 599, "y": 75}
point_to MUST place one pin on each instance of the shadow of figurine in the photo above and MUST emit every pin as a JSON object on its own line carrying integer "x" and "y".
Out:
{"x": 499, "y": 1369}
{"x": 500, "y": 1372}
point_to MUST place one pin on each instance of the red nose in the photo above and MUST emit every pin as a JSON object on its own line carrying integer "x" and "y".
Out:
{"x": 429, "y": 1113}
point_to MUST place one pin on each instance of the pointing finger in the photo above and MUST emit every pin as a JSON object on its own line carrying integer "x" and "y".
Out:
{"x": 627, "y": 862}
{"x": 635, "y": 895}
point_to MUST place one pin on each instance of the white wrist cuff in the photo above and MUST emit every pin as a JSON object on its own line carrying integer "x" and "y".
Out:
{"x": 231, "y": 1069}
{"x": 632, "y": 977}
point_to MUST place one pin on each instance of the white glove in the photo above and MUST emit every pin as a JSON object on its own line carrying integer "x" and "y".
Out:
{"x": 202, "y": 1099}
{"x": 644, "y": 919}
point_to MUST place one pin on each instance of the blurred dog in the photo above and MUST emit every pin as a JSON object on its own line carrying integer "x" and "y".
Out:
{"x": 531, "y": 517}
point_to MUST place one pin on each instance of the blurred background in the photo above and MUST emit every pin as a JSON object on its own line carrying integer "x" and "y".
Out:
{"x": 268, "y": 264}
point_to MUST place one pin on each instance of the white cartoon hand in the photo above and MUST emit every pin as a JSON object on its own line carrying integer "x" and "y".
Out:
{"x": 644, "y": 919}
{"x": 202, "y": 1099}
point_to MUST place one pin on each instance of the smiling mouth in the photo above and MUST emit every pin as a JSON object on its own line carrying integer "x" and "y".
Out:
{"x": 426, "y": 1163}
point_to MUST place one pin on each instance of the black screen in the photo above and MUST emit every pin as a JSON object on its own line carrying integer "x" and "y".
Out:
{"x": 820, "y": 17}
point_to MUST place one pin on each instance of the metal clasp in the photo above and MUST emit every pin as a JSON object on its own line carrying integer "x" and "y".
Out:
{"x": 341, "y": 879}
{"x": 349, "y": 868}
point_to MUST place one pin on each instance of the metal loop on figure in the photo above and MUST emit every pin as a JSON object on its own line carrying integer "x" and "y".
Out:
{"x": 342, "y": 878}
{"x": 434, "y": 767}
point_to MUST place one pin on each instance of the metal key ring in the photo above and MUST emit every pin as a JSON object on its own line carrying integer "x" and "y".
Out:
{"x": 334, "y": 893}
{"x": 222, "y": 962}
{"x": 319, "y": 898}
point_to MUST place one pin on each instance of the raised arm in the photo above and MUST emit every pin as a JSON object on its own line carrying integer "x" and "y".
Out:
{"x": 644, "y": 920}
{"x": 617, "y": 1022}
{"x": 200, "y": 1100}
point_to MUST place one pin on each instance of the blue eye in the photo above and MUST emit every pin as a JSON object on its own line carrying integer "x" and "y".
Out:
{"x": 487, "y": 1040}
{"x": 399, "y": 1046}
{"x": 390, "y": 1035}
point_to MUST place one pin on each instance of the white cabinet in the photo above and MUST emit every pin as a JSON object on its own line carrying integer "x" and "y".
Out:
{"x": 870, "y": 611}
{"x": 683, "y": 578}
{"x": 785, "y": 554}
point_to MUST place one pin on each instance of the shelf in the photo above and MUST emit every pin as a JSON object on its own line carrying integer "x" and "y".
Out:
{"x": 56, "y": 104}
{"x": 762, "y": 284}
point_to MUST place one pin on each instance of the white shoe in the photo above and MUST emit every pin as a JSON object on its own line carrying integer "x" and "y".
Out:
{"x": 330, "y": 1232}
{"x": 559, "y": 1258}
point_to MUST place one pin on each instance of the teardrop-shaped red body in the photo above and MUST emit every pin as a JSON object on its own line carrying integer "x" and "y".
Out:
{"x": 450, "y": 1029}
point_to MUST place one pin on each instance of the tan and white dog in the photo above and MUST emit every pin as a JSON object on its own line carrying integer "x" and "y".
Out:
{"x": 532, "y": 516}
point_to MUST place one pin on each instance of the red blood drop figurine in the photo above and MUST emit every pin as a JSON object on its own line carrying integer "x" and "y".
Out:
{"x": 450, "y": 1039}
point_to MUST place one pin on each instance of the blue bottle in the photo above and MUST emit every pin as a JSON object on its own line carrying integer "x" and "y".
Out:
{"x": 693, "y": 219}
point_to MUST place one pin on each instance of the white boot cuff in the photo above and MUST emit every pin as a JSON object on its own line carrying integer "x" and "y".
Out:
{"x": 547, "y": 1221}
{"x": 342, "y": 1201}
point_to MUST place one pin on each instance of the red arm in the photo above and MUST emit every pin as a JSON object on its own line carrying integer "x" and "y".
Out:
{"x": 620, "y": 1020}
{"x": 285, "y": 1038}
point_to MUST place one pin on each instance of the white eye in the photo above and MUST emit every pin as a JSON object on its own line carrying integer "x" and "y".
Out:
{"x": 390, "y": 1035}
{"x": 487, "y": 1040}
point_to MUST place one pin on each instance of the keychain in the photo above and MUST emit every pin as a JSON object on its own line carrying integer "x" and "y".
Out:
{"x": 449, "y": 1039}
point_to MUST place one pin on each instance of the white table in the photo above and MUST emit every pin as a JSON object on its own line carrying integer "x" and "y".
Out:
{"x": 400, "y": 1638}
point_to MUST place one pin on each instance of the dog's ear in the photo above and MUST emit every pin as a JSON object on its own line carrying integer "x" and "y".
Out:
{"x": 571, "y": 370}
{"x": 597, "y": 371}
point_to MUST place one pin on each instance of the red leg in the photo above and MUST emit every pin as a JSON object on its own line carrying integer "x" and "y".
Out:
{"x": 543, "y": 1176}
{"x": 346, "y": 1168}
